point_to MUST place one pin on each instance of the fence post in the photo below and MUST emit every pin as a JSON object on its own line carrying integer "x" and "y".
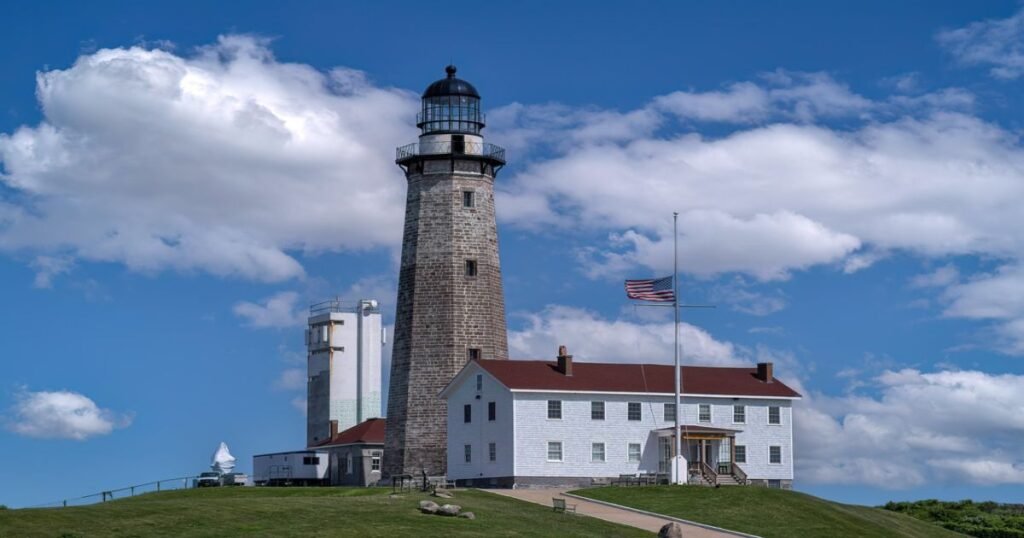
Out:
{"x": 133, "y": 491}
{"x": 65, "y": 503}
{"x": 158, "y": 486}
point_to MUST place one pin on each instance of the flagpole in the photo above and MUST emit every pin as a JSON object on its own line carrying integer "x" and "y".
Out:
{"x": 675, "y": 285}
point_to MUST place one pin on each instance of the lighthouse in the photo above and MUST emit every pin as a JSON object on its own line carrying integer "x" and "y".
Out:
{"x": 450, "y": 306}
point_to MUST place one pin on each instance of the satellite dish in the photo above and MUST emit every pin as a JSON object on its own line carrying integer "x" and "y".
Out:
{"x": 223, "y": 461}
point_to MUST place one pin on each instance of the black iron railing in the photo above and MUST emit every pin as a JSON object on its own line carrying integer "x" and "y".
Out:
{"x": 477, "y": 149}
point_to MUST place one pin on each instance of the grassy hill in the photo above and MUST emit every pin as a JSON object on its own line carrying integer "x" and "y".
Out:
{"x": 770, "y": 513}
{"x": 225, "y": 512}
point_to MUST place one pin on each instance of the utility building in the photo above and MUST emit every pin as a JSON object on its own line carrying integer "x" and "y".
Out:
{"x": 344, "y": 342}
{"x": 451, "y": 307}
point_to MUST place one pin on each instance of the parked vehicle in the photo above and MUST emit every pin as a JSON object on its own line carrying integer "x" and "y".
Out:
{"x": 233, "y": 479}
{"x": 208, "y": 479}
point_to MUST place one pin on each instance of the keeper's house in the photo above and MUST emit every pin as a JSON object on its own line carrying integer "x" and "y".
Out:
{"x": 516, "y": 423}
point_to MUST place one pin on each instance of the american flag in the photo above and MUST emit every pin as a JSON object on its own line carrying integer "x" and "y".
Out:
{"x": 655, "y": 289}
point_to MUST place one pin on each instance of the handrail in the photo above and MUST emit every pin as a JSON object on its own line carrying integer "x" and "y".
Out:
{"x": 739, "y": 474}
{"x": 109, "y": 494}
{"x": 709, "y": 474}
{"x": 478, "y": 149}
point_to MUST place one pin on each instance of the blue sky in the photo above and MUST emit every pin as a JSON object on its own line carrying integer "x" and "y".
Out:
{"x": 180, "y": 180}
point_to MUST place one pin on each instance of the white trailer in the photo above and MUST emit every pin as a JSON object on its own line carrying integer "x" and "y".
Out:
{"x": 298, "y": 468}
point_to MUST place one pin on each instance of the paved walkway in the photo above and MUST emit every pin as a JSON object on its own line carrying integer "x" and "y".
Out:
{"x": 607, "y": 513}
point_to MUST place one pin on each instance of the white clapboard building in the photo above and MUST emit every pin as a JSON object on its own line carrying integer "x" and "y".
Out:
{"x": 518, "y": 423}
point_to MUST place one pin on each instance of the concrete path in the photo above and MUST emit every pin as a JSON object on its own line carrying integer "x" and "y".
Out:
{"x": 607, "y": 513}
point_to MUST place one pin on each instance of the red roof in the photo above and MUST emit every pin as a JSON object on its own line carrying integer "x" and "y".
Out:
{"x": 368, "y": 432}
{"x": 627, "y": 377}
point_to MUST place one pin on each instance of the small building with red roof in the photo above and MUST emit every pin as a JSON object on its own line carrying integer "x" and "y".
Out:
{"x": 354, "y": 455}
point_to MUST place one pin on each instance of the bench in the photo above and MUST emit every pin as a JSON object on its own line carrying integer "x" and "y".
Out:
{"x": 439, "y": 482}
{"x": 558, "y": 504}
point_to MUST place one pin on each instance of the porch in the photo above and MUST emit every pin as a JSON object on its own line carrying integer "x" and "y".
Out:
{"x": 710, "y": 454}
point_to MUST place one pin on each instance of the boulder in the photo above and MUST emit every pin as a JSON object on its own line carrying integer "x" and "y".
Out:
{"x": 671, "y": 530}
{"x": 451, "y": 510}
{"x": 444, "y": 494}
{"x": 468, "y": 515}
{"x": 429, "y": 507}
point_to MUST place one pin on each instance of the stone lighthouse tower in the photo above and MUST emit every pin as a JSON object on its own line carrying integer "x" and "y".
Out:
{"x": 450, "y": 307}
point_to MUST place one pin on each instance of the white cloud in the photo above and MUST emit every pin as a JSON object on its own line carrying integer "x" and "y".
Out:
{"x": 226, "y": 161}
{"x": 62, "y": 415}
{"x": 299, "y": 404}
{"x": 915, "y": 431}
{"x": 998, "y": 43}
{"x": 940, "y": 277}
{"x": 49, "y": 267}
{"x": 915, "y": 174}
{"x": 291, "y": 379}
{"x": 591, "y": 338}
{"x": 277, "y": 311}
{"x": 738, "y": 295}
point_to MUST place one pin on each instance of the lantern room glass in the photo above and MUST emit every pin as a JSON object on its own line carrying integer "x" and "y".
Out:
{"x": 451, "y": 114}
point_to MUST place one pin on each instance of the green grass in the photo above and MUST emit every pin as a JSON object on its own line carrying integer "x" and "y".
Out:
{"x": 225, "y": 512}
{"x": 770, "y": 513}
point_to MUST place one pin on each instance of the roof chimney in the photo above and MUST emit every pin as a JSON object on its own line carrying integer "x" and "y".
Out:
{"x": 764, "y": 372}
{"x": 334, "y": 429}
{"x": 564, "y": 361}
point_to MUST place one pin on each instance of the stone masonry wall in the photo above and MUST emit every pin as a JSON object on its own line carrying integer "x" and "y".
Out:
{"x": 441, "y": 312}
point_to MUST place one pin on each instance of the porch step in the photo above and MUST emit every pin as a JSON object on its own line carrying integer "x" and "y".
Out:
{"x": 727, "y": 480}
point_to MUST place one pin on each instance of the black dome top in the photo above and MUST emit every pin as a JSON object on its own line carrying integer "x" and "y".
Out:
{"x": 450, "y": 86}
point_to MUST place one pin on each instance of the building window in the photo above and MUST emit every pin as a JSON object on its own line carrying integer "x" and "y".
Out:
{"x": 634, "y": 452}
{"x": 473, "y": 354}
{"x": 469, "y": 453}
{"x": 375, "y": 461}
{"x": 470, "y": 267}
{"x": 468, "y": 199}
{"x": 775, "y": 454}
{"x": 741, "y": 454}
{"x": 633, "y": 411}
{"x": 704, "y": 413}
{"x": 492, "y": 411}
{"x": 311, "y": 460}
{"x": 739, "y": 414}
{"x": 596, "y": 410}
{"x": 597, "y": 452}
{"x": 670, "y": 412}
{"x": 492, "y": 451}
{"x": 467, "y": 413}
{"x": 774, "y": 484}
{"x": 773, "y": 415}
{"x": 554, "y": 451}
{"x": 555, "y": 409}
{"x": 349, "y": 468}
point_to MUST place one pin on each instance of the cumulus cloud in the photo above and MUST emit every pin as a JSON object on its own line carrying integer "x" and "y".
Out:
{"x": 225, "y": 161}
{"x": 785, "y": 188}
{"x": 291, "y": 379}
{"x": 277, "y": 311}
{"x": 592, "y": 338}
{"x": 62, "y": 415}
{"x": 945, "y": 426}
{"x": 997, "y": 43}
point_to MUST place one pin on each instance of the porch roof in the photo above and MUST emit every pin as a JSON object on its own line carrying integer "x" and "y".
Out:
{"x": 692, "y": 429}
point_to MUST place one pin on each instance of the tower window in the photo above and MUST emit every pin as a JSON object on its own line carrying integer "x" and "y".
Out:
{"x": 474, "y": 355}
{"x": 459, "y": 143}
{"x": 468, "y": 199}
{"x": 470, "y": 267}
